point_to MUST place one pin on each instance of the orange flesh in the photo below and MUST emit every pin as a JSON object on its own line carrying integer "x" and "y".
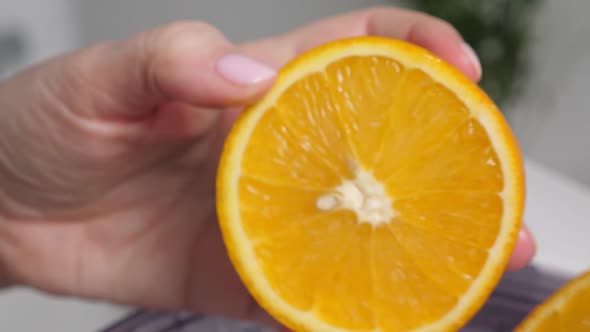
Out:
{"x": 575, "y": 315}
{"x": 439, "y": 169}
{"x": 567, "y": 310}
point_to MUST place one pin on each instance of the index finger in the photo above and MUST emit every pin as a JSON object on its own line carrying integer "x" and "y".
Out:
{"x": 424, "y": 30}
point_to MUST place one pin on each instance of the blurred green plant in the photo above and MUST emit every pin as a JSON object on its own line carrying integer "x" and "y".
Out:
{"x": 500, "y": 32}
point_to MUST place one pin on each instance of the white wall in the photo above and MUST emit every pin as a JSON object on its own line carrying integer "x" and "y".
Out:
{"x": 46, "y": 28}
{"x": 553, "y": 118}
{"x": 240, "y": 20}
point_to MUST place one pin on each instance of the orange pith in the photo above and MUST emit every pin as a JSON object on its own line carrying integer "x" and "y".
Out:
{"x": 374, "y": 188}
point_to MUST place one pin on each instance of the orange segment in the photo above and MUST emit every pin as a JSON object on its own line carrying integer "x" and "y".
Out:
{"x": 315, "y": 109}
{"x": 344, "y": 283}
{"x": 461, "y": 216}
{"x": 374, "y": 188}
{"x": 451, "y": 265}
{"x": 462, "y": 159}
{"x": 575, "y": 314}
{"x": 298, "y": 281}
{"x": 423, "y": 106}
{"x": 551, "y": 323}
{"x": 568, "y": 309}
{"x": 268, "y": 208}
{"x": 281, "y": 155}
{"x": 406, "y": 297}
{"x": 364, "y": 89}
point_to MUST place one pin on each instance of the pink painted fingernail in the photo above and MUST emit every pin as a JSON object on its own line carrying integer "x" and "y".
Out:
{"x": 524, "y": 250}
{"x": 243, "y": 70}
{"x": 473, "y": 58}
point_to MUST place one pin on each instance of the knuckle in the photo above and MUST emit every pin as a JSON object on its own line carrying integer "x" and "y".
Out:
{"x": 171, "y": 46}
{"x": 181, "y": 35}
{"x": 190, "y": 27}
{"x": 443, "y": 25}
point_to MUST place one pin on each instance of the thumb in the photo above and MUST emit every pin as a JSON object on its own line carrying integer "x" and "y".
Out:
{"x": 64, "y": 135}
{"x": 186, "y": 62}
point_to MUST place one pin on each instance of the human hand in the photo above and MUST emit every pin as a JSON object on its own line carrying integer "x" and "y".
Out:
{"x": 108, "y": 158}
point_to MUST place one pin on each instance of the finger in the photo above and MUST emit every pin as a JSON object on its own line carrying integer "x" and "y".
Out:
{"x": 193, "y": 62}
{"x": 188, "y": 62}
{"x": 58, "y": 115}
{"x": 429, "y": 32}
{"x": 524, "y": 251}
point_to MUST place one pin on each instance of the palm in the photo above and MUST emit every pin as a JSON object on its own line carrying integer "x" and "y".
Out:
{"x": 153, "y": 241}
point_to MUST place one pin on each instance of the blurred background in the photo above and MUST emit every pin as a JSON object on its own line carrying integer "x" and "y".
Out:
{"x": 535, "y": 53}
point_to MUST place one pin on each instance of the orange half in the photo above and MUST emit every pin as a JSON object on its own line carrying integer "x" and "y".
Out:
{"x": 374, "y": 188}
{"x": 567, "y": 310}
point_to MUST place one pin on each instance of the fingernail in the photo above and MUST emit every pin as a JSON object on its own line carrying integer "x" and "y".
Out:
{"x": 243, "y": 70}
{"x": 473, "y": 58}
{"x": 524, "y": 251}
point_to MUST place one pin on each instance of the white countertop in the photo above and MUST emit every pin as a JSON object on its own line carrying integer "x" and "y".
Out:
{"x": 557, "y": 211}
{"x": 23, "y": 310}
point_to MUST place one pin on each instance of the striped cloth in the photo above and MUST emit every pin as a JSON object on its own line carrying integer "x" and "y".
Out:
{"x": 516, "y": 295}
